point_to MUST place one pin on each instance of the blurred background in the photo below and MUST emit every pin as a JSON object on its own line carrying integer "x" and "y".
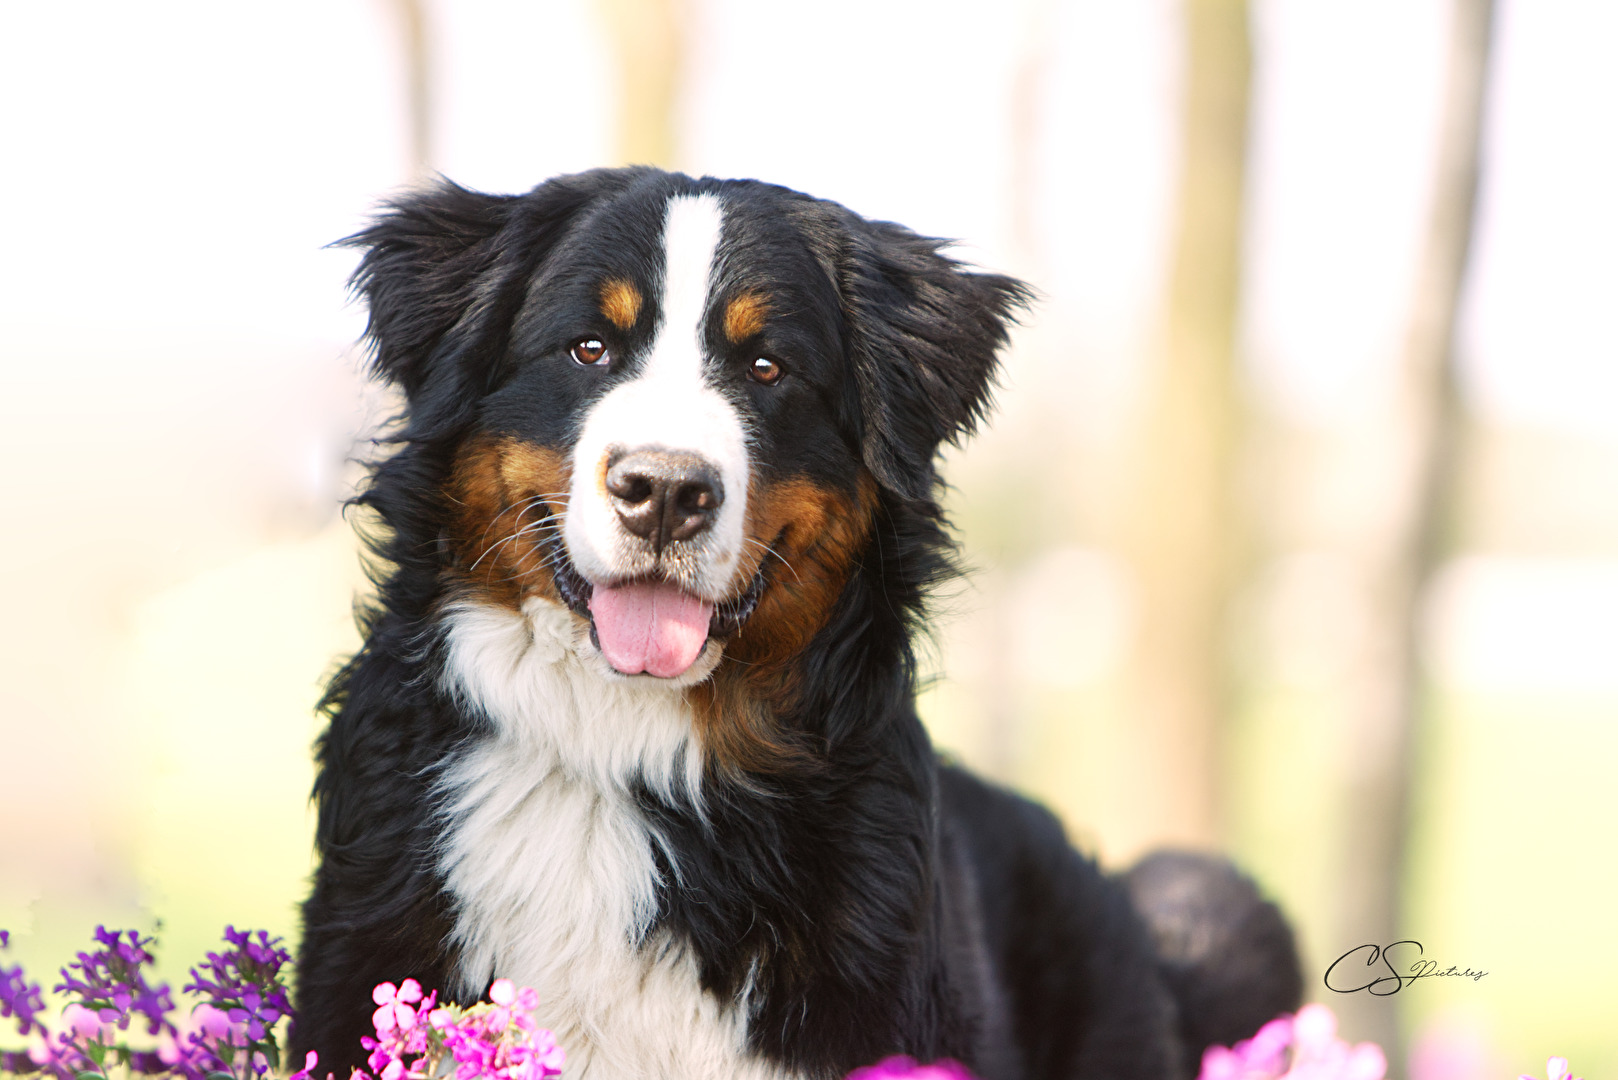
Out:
{"x": 1295, "y": 532}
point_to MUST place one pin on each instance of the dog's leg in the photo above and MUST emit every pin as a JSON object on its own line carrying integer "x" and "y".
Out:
{"x": 378, "y": 912}
{"x": 1224, "y": 951}
{"x": 355, "y": 938}
{"x": 1086, "y": 1000}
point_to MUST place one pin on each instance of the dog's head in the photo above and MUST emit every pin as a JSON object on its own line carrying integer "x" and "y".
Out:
{"x": 672, "y": 406}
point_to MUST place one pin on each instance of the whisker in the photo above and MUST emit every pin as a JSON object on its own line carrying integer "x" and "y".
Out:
{"x": 552, "y": 558}
{"x": 771, "y": 551}
{"x": 519, "y": 509}
{"x": 530, "y": 527}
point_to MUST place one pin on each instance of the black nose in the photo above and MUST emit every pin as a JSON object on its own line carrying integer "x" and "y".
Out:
{"x": 664, "y": 495}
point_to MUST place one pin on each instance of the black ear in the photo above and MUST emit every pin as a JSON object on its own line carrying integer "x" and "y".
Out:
{"x": 443, "y": 273}
{"x": 424, "y": 255}
{"x": 925, "y": 334}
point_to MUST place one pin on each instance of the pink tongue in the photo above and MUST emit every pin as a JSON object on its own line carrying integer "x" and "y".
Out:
{"x": 654, "y": 628}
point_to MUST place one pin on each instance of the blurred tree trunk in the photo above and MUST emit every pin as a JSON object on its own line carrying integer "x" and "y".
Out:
{"x": 411, "y": 17}
{"x": 1027, "y": 93}
{"x": 1184, "y": 520}
{"x": 1401, "y": 558}
{"x": 648, "y": 37}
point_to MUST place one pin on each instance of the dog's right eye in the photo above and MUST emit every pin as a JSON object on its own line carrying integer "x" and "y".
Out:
{"x": 591, "y": 352}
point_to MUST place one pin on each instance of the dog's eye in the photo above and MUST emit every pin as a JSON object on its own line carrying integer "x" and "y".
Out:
{"x": 766, "y": 371}
{"x": 591, "y": 352}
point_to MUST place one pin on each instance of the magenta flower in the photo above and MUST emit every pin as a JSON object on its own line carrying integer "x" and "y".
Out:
{"x": 396, "y": 1002}
{"x": 907, "y": 1068}
{"x": 545, "y": 1055}
{"x": 1262, "y": 1055}
{"x": 310, "y": 1060}
{"x": 494, "y": 1040}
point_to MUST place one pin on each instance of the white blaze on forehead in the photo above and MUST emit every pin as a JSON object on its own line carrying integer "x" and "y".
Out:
{"x": 690, "y": 244}
{"x": 668, "y": 404}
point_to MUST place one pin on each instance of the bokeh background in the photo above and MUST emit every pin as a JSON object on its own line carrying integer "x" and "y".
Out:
{"x": 1295, "y": 532}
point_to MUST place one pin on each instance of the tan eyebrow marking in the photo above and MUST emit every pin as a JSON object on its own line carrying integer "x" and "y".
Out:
{"x": 744, "y": 316}
{"x": 620, "y": 302}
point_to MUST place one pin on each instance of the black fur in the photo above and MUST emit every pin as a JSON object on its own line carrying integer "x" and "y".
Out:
{"x": 1226, "y": 953}
{"x": 884, "y": 904}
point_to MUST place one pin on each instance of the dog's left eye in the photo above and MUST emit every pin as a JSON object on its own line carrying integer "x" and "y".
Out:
{"x": 591, "y": 352}
{"x": 766, "y": 371}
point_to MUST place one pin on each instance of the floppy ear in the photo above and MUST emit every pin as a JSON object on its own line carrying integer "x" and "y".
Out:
{"x": 925, "y": 334}
{"x": 424, "y": 254}
{"x": 442, "y": 272}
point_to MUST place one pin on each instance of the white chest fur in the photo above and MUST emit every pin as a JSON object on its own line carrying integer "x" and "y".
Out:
{"x": 551, "y": 864}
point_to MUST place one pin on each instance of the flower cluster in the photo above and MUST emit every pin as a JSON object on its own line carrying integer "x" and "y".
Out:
{"x": 1301, "y": 1047}
{"x": 245, "y": 981}
{"x": 416, "y": 1038}
{"x": 905, "y": 1068}
{"x": 111, "y": 982}
{"x": 20, "y": 999}
{"x": 245, "y": 997}
{"x": 110, "y": 990}
{"x": 230, "y": 1034}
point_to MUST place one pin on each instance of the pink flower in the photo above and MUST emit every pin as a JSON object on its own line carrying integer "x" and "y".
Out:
{"x": 212, "y": 1023}
{"x": 81, "y": 1022}
{"x": 1318, "y": 1050}
{"x": 1316, "y": 1053}
{"x": 56, "y": 1055}
{"x": 495, "y": 1040}
{"x": 379, "y": 1059}
{"x": 547, "y": 1055}
{"x": 1555, "y": 1069}
{"x": 907, "y": 1068}
{"x": 396, "y": 1012}
{"x": 310, "y": 1060}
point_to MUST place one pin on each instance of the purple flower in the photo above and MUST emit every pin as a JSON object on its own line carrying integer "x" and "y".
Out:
{"x": 19, "y": 998}
{"x": 111, "y": 981}
{"x": 244, "y": 988}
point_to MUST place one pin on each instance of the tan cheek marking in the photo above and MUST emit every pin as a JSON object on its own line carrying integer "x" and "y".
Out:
{"x": 620, "y": 303}
{"x": 498, "y": 488}
{"x": 820, "y": 534}
{"x": 744, "y": 316}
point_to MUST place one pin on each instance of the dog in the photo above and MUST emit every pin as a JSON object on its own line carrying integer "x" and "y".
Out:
{"x": 633, "y": 721}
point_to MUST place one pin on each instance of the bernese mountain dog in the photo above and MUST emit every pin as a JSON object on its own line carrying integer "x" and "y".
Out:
{"x": 633, "y": 723}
